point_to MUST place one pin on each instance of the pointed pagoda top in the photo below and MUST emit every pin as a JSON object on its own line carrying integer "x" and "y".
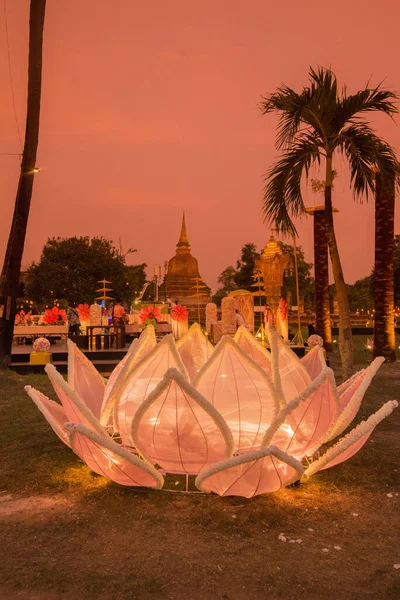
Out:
{"x": 183, "y": 239}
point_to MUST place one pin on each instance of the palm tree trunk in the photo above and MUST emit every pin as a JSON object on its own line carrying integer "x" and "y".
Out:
{"x": 384, "y": 334}
{"x": 322, "y": 304}
{"x": 9, "y": 280}
{"x": 345, "y": 336}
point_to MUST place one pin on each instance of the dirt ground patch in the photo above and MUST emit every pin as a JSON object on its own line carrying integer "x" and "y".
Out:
{"x": 67, "y": 534}
{"x": 33, "y": 507}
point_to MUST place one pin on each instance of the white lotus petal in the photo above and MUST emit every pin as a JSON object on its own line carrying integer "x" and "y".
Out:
{"x": 352, "y": 442}
{"x": 136, "y": 353}
{"x": 178, "y": 429}
{"x": 52, "y": 412}
{"x": 241, "y": 391}
{"x": 141, "y": 381}
{"x": 109, "y": 459}
{"x": 84, "y": 378}
{"x": 194, "y": 349}
{"x": 250, "y": 474}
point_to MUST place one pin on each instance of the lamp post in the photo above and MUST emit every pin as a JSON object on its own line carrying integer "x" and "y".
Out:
{"x": 165, "y": 280}
{"x": 157, "y": 280}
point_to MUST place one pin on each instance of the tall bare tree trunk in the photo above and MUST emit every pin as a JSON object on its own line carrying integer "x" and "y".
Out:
{"x": 321, "y": 267}
{"x": 384, "y": 334}
{"x": 345, "y": 335}
{"x": 9, "y": 280}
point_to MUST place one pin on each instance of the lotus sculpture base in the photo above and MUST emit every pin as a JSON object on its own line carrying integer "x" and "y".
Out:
{"x": 243, "y": 420}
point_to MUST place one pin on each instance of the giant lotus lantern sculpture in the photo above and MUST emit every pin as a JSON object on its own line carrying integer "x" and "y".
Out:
{"x": 244, "y": 420}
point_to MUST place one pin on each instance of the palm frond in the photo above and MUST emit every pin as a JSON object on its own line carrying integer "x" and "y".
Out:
{"x": 324, "y": 87}
{"x": 282, "y": 194}
{"x": 366, "y": 153}
{"x": 291, "y": 105}
{"x": 313, "y": 107}
{"x": 366, "y": 100}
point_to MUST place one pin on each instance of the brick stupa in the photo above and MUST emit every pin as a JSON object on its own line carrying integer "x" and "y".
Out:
{"x": 183, "y": 277}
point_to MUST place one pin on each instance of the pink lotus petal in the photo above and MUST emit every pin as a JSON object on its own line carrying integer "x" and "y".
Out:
{"x": 241, "y": 391}
{"x": 75, "y": 409}
{"x": 85, "y": 379}
{"x": 142, "y": 380}
{"x": 194, "y": 349}
{"x": 289, "y": 375}
{"x": 53, "y": 413}
{"x": 107, "y": 458}
{"x": 249, "y": 344}
{"x": 302, "y": 425}
{"x": 352, "y": 396}
{"x": 137, "y": 352}
{"x": 352, "y": 442}
{"x": 314, "y": 362}
{"x": 178, "y": 429}
{"x": 250, "y": 474}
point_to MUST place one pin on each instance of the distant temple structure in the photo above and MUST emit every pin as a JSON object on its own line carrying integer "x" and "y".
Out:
{"x": 183, "y": 282}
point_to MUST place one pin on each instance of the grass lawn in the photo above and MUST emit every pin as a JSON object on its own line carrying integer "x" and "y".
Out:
{"x": 68, "y": 534}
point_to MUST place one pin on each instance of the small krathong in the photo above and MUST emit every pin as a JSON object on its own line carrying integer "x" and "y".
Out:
{"x": 242, "y": 419}
{"x": 40, "y": 354}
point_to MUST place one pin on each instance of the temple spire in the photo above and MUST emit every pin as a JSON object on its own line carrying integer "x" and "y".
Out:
{"x": 183, "y": 239}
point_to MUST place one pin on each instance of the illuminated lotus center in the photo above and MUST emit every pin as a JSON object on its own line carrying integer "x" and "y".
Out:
{"x": 242, "y": 419}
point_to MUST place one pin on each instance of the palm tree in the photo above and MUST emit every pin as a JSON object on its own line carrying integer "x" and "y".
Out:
{"x": 321, "y": 269}
{"x": 314, "y": 125}
{"x": 384, "y": 335}
{"x": 9, "y": 280}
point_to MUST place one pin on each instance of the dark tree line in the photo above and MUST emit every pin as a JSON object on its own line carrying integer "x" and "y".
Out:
{"x": 70, "y": 269}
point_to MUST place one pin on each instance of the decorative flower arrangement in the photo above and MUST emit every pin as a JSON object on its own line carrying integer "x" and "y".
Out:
{"x": 150, "y": 315}
{"x": 315, "y": 340}
{"x": 41, "y": 345}
{"x": 83, "y": 312}
{"x": 179, "y": 313}
{"x": 244, "y": 420}
{"x": 51, "y": 315}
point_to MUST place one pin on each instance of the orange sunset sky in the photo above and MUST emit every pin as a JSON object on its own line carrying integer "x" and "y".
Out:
{"x": 149, "y": 108}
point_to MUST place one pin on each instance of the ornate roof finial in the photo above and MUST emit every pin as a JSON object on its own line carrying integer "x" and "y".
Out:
{"x": 183, "y": 239}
